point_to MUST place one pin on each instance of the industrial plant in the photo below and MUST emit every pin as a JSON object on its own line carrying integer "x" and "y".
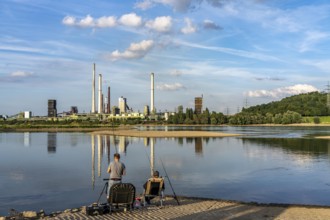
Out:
{"x": 101, "y": 108}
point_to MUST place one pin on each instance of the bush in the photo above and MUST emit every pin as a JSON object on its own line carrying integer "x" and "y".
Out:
{"x": 316, "y": 120}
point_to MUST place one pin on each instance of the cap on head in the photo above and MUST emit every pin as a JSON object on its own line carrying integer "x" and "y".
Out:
{"x": 116, "y": 155}
{"x": 156, "y": 174}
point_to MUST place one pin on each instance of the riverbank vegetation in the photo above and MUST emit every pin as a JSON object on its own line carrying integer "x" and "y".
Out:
{"x": 304, "y": 108}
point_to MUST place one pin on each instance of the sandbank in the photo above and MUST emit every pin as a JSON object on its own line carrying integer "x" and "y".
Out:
{"x": 164, "y": 134}
{"x": 322, "y": 137}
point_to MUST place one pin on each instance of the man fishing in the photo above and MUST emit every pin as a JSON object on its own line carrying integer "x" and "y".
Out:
{"x": 116, "y": 169}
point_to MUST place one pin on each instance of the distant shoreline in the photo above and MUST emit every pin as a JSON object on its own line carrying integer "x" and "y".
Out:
{"x": 165, "y": 134}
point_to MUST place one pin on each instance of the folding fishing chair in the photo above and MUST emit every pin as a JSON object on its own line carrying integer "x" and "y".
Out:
{"x": 121, "y": 194}
{"x": 154, "y": 188}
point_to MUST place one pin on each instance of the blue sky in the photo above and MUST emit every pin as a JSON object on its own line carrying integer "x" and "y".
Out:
{"x": 236, "y": 53}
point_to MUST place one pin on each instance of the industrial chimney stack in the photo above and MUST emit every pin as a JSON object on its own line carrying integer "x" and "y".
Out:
{"x": 152, "y": 94}
{"x": 93, "y": 90}
{"x": 100, "y": 110}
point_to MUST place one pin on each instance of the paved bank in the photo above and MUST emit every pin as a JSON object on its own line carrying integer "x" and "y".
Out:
{"x": 211, "y": 209}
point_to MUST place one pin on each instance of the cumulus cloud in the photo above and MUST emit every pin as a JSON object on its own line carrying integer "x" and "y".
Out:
{"x": 135, "y": 50}
{"x": 189, "y": 28}
{"x": 170, "y": 87}
{"x": 104, "y": 21}
{"x": 131, "y": 20}
{"x": 210, "y": 25}
{"x": 282, "y": 92}
{"x": 69, "y": 21}
{"x": 89, "y": 21}
{"x": 160, "y": 24}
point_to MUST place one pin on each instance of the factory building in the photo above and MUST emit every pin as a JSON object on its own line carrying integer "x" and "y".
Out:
{"x": 74, "y": 110}
{"x": 146, "y": 110}
{"x": 198, "y": 105}
{"x": 27, "y": 114}
{"x": 122, "y": 104}
{"x": 52, "y": 111}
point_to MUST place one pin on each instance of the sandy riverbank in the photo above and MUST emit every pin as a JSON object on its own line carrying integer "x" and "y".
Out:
{"x": 194, "y": 208}
{"x": 162, "y": 134}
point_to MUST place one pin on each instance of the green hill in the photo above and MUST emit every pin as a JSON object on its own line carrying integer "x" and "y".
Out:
{"x": 309, "y": 104}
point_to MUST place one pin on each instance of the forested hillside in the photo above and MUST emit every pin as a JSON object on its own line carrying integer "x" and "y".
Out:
{"x": 309, "y": 104}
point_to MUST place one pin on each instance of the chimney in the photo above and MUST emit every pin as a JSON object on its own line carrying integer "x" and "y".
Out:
{"x": 93, "y": 90}
{"x": 152, "y": 108}
{"x": 100, "y": 95}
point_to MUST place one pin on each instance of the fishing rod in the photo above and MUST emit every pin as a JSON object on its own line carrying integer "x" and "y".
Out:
{"x": 169, "y": 181}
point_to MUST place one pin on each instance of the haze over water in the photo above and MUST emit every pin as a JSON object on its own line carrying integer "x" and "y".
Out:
{"x": 56, "y": 171}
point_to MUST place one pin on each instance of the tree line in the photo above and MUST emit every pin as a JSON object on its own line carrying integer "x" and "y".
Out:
{"x": 287, "y": 111}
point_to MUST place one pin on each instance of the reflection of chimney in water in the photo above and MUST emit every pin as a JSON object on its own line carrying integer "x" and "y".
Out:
{"x": 152, "y": 155}
{"x": 108, "y": 148}
{"x": 99, "y": 154}
{"x": 93, "y": 160}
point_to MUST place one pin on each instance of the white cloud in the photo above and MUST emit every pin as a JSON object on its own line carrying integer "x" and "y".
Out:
{"x": 104, "y": 21}
{"x": 283, "y": 91}
{"x": 21, "y": 74}
{"x": 208, "y": 24}
{"x": 69, "y": 21}
{"x": 160, "y": 24}
{"x": 131, "y": 20}
{"x": 144, "y": 5}
{"x": 135, "y": 50}
{"x": 170, "y": 87}
{"x": 189, "y": 28}
{"x": 88, "y": 21}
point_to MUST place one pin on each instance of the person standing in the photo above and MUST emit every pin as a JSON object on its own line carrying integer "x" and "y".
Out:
{"x": 116, "y": 169}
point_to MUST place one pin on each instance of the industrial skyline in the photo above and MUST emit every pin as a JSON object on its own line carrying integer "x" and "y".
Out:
{"x": 232, "y": 52}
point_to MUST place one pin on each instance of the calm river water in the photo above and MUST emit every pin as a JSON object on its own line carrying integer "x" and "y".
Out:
{"x": 55, "y": 171}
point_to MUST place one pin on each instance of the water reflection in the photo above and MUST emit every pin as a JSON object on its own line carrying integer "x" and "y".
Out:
{"x": 51, "y": 142}
{"x": 27, "y": 138}
{"x": 300, "y": 146}
{"x": 235, "y": 168}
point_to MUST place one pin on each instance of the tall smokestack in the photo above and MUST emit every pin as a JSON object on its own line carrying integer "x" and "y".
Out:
{"x": 108, "y": 107}
{"x": 100, "y": 94}
{"x": 152, "y": 108}
{"x": 93, "y": 90}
